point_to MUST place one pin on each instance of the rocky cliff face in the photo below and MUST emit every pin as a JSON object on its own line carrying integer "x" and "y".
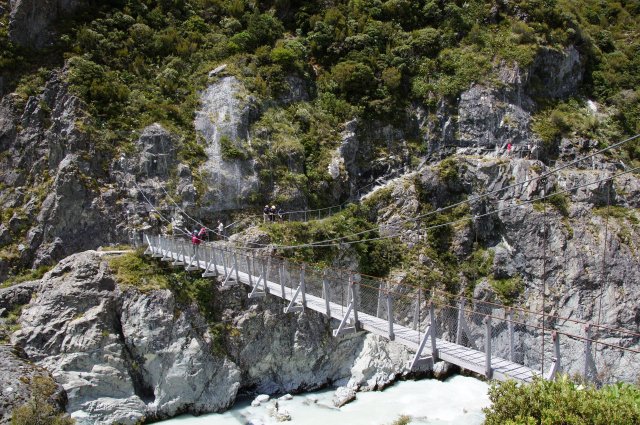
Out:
{"x": 223, "y": 122}
{"x": 51, "y": 173}
{"x": 123, "y": 355}
{"x": 31, "y": 21}
{"x": 586, "y": 260}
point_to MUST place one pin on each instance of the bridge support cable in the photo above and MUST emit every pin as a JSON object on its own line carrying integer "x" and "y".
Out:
{"x": 282, "y": 274}
{"x": 389, "y": 298}
{"x": 429, "y": 334}
{"x": 229, "y": 271}
{"x": 488, "y": 370}
{"x": 352, "y": 308}
{"x": 194, "y": 259}
{"x": 555, "y": 361}
{"x": 211, "y": 270}
{"x": 590, "y": 372}
{"x": 326, "y": 293}
{"x": 257, "y": 290}
{"x": 167, "y": 250}
{"x": 381, "y": 301}
{"x": 156, "y": 252}
{"x": 462, "y": 327}
{"x": 416, "y": 314}
{"x": 300, "y": 292}
{"x": 181, "y": 254}
{"x": 509, "y": 314}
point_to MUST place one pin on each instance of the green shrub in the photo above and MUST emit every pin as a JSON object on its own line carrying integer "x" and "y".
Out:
{"x": 507, "y": 289}
{"x": 352, "y": 79}
{"x": 618, "y": 212}
{"x": 477, "y": 266}
{"x": 448, "y": 170}
{"x": 134, "y": 269}
{"x": 560, "y": 201}
{"x": 38, "y": 410}
{"x": 26, "y": 275}
{"x": 562, "y": 402}
{"x": 229, "y": 150}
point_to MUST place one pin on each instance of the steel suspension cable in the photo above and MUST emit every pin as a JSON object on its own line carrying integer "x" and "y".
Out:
{"x": 466, "y": 218}
{"x": 484, "y": 195}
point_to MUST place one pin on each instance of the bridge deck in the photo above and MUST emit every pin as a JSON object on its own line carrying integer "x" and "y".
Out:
{"x": 459, "y": 355}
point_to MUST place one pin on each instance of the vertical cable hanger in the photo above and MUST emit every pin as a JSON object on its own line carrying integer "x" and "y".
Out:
{"x": 544, "y": 267}
{"x": 603, "y": 274}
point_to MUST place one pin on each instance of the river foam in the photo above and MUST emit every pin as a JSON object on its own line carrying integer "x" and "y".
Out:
{"x": 458, "y": 400}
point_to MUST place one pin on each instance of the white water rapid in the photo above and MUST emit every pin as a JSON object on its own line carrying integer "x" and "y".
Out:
{"x": 458, "y": 400}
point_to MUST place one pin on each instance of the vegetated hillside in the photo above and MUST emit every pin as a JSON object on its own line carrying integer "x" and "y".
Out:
{"x": 332, "y": 95}
{"x": 110, "y": 112}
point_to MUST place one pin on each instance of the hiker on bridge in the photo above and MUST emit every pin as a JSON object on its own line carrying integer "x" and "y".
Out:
{"x": 265, "y": 213}
{"x": 220, "y": 230}
{"x": 273, "y": 211}
{"x": 198, "y": 236}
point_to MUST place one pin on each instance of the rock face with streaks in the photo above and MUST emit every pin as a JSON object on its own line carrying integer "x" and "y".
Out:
{"x": 15, "y": 381}
{"x": 580, "y": 248}
{"x": 31, "y": 20}
{"x": 123, "y": 355}
{"x": 223, "y": 122}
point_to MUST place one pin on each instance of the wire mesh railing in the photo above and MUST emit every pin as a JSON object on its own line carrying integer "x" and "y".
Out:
{"x": 544, "y": 343}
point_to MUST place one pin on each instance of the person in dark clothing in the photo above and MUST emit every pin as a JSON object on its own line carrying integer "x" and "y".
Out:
{"x": 265, "y": 213}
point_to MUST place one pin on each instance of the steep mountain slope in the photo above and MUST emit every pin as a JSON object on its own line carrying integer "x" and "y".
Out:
{"x": 110, "y": 113}
{"x": 307, "y": 102}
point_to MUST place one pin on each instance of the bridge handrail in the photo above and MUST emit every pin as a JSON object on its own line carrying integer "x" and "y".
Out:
{"x": 310, "y": 266}
{"x": 408, "y": 306}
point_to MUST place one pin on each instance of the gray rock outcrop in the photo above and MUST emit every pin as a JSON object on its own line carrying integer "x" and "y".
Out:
{"x": 489, "y": 117}
{"x": 223, "y": 122}
{"x": 31, "y": 20}
{"x": 123, "y": 355}
{"x": 15, "y": 382}
{"x": 583, "y": 236}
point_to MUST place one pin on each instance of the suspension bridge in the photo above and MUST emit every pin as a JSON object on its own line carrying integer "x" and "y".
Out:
{"x": 490, "y": 339}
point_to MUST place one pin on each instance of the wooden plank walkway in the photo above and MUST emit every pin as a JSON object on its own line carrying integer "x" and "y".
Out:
{"x": 459, "y": 355}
